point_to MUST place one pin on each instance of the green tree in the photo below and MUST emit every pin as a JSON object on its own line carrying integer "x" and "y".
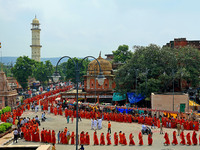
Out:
{"x": 163, "y": 64}
{"x": 23, "y": 69}
{"x": 122, "y": 54}
{"x": 67, "y": 69}
{"x": 43, "y": 71}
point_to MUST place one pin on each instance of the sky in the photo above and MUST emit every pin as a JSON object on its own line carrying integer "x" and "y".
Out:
{"x": 79, "y": 28}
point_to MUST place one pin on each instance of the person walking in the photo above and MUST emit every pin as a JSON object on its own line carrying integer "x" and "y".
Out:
{"x": 161, "y": 129}
{"x": 58, "y": 136}
{"x": 15, "y": 132}
{"x": 109, "y": 127}
{"x": 178, "y": 128}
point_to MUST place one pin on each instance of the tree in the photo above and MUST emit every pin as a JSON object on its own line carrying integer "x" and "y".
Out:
{"x": 122, "y": 54}
{"x": 23, "y": 69}
{"x": 42, "y": 71}
{"x": 67, "y": 69}
{"x": 164, "y": 64}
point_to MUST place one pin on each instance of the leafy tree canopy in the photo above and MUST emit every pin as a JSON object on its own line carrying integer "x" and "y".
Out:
{"x": 43, "y": 71}
{"x": 67, "y": 69}
{"x": 23, "y": 69}
{"x": 122, "y": 54}
{"x": 155, "y": 68}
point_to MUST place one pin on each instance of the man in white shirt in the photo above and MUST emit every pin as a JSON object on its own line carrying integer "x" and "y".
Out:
{"x": 92, "y": 124}
{"x": 99, "y": 124}
{"x": 15, "y": 132}
{"x": 144, "y": 128}
{"x": 95, "y": 124}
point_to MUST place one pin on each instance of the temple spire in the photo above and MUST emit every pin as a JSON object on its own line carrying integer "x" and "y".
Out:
{"x": 100, "y": 54}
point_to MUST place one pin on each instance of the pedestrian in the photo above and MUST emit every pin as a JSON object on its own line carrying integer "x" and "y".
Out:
{"x": 82, "y": 148}
{"x": 115, "y": 138}
{"x": 102, "y": 139}
{"x": 167, "y": 142}
{"x": 95, "y": 124}
{"x": 188, "y": 139}
{"x": 92, "y": 124}
{"x": 53, "y": 147}
{"x": 182, "y": 136}
{"x": 131, "y": 141}
{"x": 99, "y": 123}
{"x": 194, "y": 138}
{"x": 67, "y": 119}
{"x": 15, "y": 132}
{"x": 108, "y": 137}
{"x": 161, "y": 128}
{"x": 150, "y": 140}
{"x": 95, "y": 138}
{"x": 72, "y": 118}
{"x": 109, "y": 127}
{"x": 174, "y": 142}
{"x": 178, "y": 128}
{"x": 140, "y": 139}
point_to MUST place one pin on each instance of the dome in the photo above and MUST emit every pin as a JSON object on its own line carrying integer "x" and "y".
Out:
{"x": 106, "y": 66}
{"x": 35, "y": 21}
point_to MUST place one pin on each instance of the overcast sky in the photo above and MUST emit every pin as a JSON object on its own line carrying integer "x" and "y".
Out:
{"x": 79, "y": 28}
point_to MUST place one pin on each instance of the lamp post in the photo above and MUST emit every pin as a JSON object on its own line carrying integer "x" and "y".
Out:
{"x": 100, "y": 79}
{"x": 136, "y": 73}
{"x": 173, "y": 87}
{"x": 147, "y": 70}
{"x": 95, "y": 85}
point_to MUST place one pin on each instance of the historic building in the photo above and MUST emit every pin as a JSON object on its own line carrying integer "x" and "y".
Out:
{"x": 181, "y": 42}
{"x": 92, "y": 91}
{"x": 7, "y": 94}
{"x": 35, "y": 47}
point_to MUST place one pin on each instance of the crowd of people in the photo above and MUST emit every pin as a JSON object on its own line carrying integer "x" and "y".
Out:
{"x": 29, "y": 128}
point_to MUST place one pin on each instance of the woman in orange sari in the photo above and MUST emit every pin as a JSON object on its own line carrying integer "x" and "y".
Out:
{"x": 102, "y": 139}
{"x": 131, "y": 142}
{"x": 108, "y": 139}
{"x": 140, "y": 139}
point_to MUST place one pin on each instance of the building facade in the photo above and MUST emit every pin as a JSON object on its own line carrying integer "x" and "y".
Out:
{"x": 169, "y": 101}
{"x": 35, "y": 47}
{"x": 181, "y": 42}
{"x": 7, "y": 94}
{"x": 92, "y": 91}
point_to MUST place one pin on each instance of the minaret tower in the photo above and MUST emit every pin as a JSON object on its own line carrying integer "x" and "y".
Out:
{"x": 35, "y": 47}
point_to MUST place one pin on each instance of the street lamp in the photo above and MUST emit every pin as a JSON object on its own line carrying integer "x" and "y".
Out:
{"x": 100, "y": 79}
{"x": 146, "y": 73}
{"x": 173, "y": 87}
{"x": 136, "y": 73}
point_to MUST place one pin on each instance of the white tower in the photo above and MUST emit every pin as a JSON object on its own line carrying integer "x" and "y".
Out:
{"x": 35, "y": 47}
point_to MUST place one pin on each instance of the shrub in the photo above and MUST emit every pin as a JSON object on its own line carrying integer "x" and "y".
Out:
{"x": 6, "y": 125}
{"x": 6, "y": 109}
{"x": 2, "y": 129}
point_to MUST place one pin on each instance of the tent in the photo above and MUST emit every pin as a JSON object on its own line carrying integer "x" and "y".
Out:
{"x": 118, "y": 97}
{"x": 134, "y": 98}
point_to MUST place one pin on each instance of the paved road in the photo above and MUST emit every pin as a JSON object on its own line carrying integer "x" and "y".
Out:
{"x": 58, "y": 123}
